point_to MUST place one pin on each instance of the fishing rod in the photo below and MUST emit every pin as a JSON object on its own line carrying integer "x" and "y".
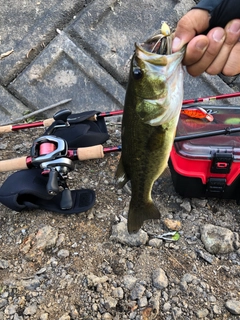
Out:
{"x": 51, "y": 151}
{"x": 48, "y": 122}
{"x": 225, "y": 131}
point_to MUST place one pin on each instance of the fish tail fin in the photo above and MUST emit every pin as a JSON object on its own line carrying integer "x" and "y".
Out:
{"x": 121, "y": 177}
{"x": 139, "y": 213}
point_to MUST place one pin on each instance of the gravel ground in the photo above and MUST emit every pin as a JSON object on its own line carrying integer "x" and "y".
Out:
{"x": 86, "y": 266}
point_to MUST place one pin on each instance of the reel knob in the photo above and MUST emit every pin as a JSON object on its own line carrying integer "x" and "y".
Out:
{"x": 62, "y": 115}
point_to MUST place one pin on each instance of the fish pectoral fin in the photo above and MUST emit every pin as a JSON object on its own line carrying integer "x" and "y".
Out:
{"x": 139, "y": 213}
{"x": 121, "y": 177}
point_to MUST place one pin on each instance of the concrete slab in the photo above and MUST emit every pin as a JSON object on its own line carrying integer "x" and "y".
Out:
{"x": 64, "y": 71}
{"x": 10, "y": 107}
{"x": 27, "y": 27}
{"x": 108, "y": 31}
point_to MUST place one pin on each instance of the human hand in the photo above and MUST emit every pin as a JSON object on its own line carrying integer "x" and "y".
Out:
{"x": 216, "y": 52}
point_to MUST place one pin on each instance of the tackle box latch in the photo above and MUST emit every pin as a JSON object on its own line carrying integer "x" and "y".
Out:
{"x": 221, "y": 162}
{"x": 216, "y": 185}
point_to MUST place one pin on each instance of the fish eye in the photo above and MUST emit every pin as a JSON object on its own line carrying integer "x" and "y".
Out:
{"x": 137, "y": 73}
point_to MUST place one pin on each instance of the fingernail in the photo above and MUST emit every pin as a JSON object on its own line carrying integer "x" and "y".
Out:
{"x": 201, "y": 45}
{"x": 234, "y": 27}
{"x": 218, "y": 35}
{"x": 176, "y": 44}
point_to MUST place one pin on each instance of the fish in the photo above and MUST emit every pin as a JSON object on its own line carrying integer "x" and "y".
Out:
{"x": 152, "y": 106}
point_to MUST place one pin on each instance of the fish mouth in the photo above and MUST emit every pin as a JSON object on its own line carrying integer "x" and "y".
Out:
{"x": 158, "y": 50}
{"x": 158, "y": 44}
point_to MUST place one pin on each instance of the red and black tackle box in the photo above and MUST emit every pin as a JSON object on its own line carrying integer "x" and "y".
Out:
{"x": 208, "y": 166}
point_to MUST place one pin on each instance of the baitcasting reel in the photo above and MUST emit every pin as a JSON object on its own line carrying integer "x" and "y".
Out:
{"x": 50, "y": 154}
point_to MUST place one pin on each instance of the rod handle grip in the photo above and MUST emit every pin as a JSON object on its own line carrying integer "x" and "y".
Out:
{"x": 4, "y": 129}
{"x": 13, "y": 164}
{"x": 87, "y": 153}
{"x": 48, "y": 122}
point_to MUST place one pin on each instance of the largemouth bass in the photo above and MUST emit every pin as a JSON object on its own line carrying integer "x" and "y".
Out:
{"x": 152, "y": 106}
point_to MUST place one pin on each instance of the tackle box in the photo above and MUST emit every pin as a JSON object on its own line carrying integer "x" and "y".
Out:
{"x": 208, "y": 166}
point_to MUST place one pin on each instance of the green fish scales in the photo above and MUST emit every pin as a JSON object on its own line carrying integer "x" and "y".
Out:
{"x": 152, "y": 106}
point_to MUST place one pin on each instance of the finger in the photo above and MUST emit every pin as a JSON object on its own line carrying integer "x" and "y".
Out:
{"x": 232, "y": 67}
{"x": 195, "y": 49}
{"x": 232, "y": 31}
{"x": 192, "y": 23}
{"x": 216, "y": 39}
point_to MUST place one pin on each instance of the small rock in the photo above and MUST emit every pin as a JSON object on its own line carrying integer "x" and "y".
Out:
{"x": 186, "y": 205}
{"x": 107, "y": 316}
{"x": 118, "y": 293}
{"x": 217, "y": 309}
{"x": 233, "y": 306}
{"x": 93, "y": 280}
{"x": 142, "y": 302}
{"x": 167, "y": 306}
{"x": 4, "y": 264}
{"x": 188, "y": 277}
{"x": 46, "y": 238}
{"x": 110, "y": 303}
{"x": 30, "y": 310}
{"x": 31, "y": 284}
{"x": 177, "y": 312}
{"x": 44, "y": 316}
{"x": 120, "y": 234}
{"x": 172, "y": 224}
{"x": 206, "y": 256}
{"x": 159, "y": 278}
{"x": 10, "y": 309}
{"x": 129, "y": 282}
{"x": 65, "y": 317}
{"x": 156, "y": 243}
{"x": 3, "y": 303}
{"x": 63, "y": 253}
{"x": 202, "y": 313}
{"x": 217, "y": 240}
{"x": 137, "y": 292}
{"x": 60, "y": 240}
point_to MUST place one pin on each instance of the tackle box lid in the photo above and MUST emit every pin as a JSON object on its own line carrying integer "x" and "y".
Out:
{"x": 224, "y": 117}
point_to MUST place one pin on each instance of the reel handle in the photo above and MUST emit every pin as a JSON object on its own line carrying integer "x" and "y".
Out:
{"x": 52, "y": 185}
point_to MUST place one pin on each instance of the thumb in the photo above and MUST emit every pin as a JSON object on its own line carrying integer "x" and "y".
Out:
{"x": 194, "y": 22}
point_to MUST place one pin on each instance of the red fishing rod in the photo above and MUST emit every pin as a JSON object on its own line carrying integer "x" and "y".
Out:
{"x": 48, "y": 122}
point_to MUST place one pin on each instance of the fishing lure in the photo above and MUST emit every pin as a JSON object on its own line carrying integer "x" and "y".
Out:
{"x": 198, "y": 113}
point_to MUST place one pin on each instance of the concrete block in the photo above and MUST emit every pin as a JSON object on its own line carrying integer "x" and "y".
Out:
{"x": 64, "y": 71}
{"x": 10, "y": 107}
{"x": 27, "y": 27}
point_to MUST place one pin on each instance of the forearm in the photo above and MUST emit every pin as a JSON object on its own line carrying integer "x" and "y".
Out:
{"x": 221, "y": 11}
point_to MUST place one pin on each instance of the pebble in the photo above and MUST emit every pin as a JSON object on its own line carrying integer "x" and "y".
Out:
{"x": 171, "y": 224}
{"x": 4, "y": 264}
{"x": 233, "y": 306}
{"x": 121, "y": 234}
{"x": 30, "y": 310}
{"x": 129, "y": 282}
{"x": 10, "y": 309}
{"x": 203, "y": 313}
{"x": 65, "y": 317}
{"x": 137, "y": 291}
{"x": 217, "y": 240}
{"x": 3, "y": 303}
{"x": 186, "y": 205}
{"x": 156, "y": 243}
{"x": 159, "y": 278}
{"x": 63, "y": 253}
{"x": 110, "y": 303}
{"x": 118, "y": 293}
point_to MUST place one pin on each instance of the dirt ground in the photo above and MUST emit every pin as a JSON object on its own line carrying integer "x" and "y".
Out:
{"x": 64, "y": 291}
